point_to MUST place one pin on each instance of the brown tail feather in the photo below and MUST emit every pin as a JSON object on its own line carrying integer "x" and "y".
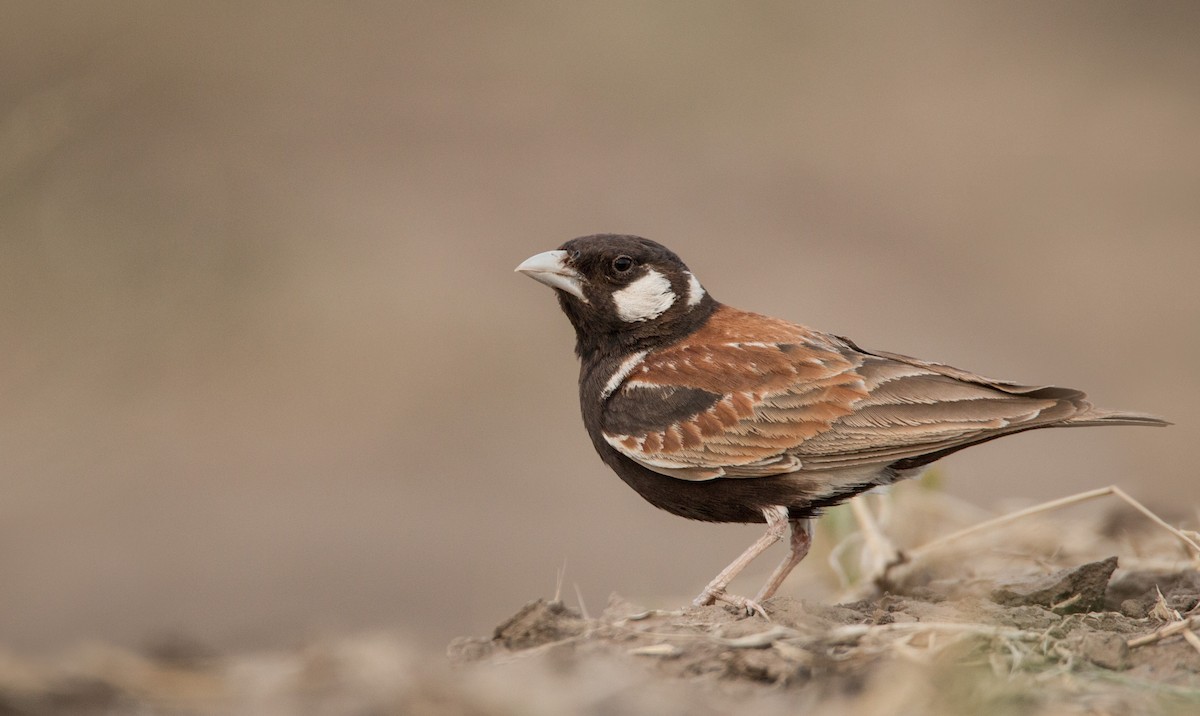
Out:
{"x": 1088, "y": 416}
{"x": 1114, "y": 417}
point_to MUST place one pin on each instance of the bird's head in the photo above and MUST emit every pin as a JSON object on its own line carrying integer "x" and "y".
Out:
{"x": 621, "y": 292}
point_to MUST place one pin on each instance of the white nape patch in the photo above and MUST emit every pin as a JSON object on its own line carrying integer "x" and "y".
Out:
{"x": 622, "y": 373}
{"x": 645, "y": 299}
{"x": 695, "y": 290}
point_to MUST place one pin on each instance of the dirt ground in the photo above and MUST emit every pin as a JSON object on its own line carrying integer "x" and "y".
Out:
{"x": 1038, "y": 615}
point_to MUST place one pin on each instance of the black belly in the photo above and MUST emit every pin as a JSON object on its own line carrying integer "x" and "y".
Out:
{"x": 730, "y": 499}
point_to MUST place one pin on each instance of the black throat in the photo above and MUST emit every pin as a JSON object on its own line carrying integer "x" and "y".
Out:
{"x": 597, "y": 343}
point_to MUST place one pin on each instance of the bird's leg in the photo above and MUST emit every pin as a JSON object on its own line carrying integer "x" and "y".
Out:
{"x": 800, "y": 542}
{"x": 777, "y": 520}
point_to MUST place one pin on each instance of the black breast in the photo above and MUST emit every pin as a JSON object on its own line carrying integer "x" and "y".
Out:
{"x": 716, "y": 500}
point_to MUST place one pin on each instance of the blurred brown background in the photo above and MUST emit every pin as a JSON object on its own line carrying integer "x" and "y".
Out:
{"x": 267, "y": 370}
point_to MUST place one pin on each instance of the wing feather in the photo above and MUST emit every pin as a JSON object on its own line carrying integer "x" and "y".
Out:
{"x": 749, "y": 396}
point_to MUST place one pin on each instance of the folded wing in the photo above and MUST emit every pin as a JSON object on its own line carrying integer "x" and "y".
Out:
{"x": 750, "y": 396}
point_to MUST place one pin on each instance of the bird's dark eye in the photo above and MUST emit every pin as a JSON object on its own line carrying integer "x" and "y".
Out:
{"x": 622, "y": 264}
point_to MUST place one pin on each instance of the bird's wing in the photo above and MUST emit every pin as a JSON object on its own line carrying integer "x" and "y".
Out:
{"x": 751, "y": 396}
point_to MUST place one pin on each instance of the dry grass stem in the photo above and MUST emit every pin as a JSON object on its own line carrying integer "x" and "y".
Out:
{"x": 1162, "y": 611}
{"x": 559, "y": 577}
{"x": 1187, "y": 541}
{"x": 835, "y": 558}
{"x": 858, "y": 631}
{"x": 1192, "y": 639}
{"x": 878, "y": 550}
{"x": 1169, "y": 630}
{"x": 582, "y": 607}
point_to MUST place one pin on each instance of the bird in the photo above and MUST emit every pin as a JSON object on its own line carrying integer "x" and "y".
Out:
{"x": 717, "y": 414}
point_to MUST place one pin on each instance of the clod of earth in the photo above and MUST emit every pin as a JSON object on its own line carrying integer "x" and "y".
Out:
{"x": 1067, "y": 591}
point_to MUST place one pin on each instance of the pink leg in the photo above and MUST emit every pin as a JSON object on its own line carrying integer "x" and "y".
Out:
{"x": 715, "y": 591}
{"x": 800, "y": 542}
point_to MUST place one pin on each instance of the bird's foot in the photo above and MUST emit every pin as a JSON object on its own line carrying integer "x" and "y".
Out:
{"x": 713, "y": 595}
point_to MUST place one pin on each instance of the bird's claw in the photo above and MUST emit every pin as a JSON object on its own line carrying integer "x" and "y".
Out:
{"x": 749, "y": 606}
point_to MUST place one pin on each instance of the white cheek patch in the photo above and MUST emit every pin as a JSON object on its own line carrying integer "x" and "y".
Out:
{"x": 695, "y": 290}
{"x": 645, "y": 299}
